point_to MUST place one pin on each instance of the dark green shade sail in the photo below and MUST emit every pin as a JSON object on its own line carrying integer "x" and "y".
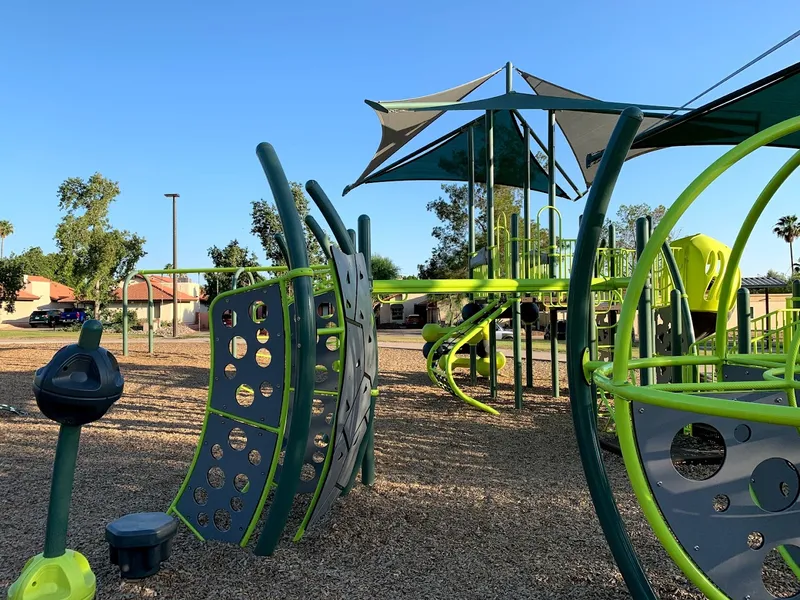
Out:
{"x": 733, "y": 118}
{"x": 446, "y": 159}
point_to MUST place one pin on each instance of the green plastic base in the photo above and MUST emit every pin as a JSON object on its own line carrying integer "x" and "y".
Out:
{"x": 67, "y": 577}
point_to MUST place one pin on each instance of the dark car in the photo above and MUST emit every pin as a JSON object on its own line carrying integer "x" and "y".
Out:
{"x": 414, "y": 321}
{"x": 73, "y": 315}
{"x": 48, "y": 318}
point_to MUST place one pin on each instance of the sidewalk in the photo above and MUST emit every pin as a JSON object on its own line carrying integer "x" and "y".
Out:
{"x": 509, "y": 352}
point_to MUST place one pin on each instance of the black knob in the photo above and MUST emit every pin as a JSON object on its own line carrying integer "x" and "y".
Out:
{"x": 81, "y": 381}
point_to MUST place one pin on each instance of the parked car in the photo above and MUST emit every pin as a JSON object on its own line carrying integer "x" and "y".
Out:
{"x": 49, "y": 318}
{"x": 414, "y": 321}
{"x": 503, "y": 333}
{"x": 73, "y": 315}
{"x": 561, "y": 331}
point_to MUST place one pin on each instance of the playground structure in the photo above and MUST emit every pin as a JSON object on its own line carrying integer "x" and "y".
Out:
{"x": 722, "y": 527}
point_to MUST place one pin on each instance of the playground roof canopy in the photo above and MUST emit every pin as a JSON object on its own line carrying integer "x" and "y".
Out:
{"x": 446, "y": 159}
{"x": 763, "y": 282}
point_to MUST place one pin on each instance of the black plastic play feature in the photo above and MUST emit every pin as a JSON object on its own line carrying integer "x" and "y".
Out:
{"x": 140, "y": 542}
{"x": 81, "y": 381}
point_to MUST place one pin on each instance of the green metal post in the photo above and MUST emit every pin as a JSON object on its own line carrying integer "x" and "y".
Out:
{"x": 473, "y": 356}
{"x": 509, "y": 77}
{"x": 322, "y": 237}
{"x": 676, "y": 304}
{"x": 551, "y": 202}
{"x": 515, "y": 317}
{"x": 333, "y": 219}
{"x": 352, "y": 234}
{"x": 368, "y": 462}
{"x": 55, "y": 541}
{"x": 305, "y": 342}
{"x": 150, "y": 307}
{"x": 645, "y": 316}
{"x": 281, "y": 242}
{"x": 743, "y": 320}
{"x": 582, "y": 403}
{"x": 490, "y": 244}
{"x": 526, "y": 250}
{"x": 593, "y": 343}
{"x": 612, "y": 272}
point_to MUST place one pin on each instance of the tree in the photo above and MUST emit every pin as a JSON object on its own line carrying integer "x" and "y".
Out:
{"x": 267, "y": 223}
{"x": 93, "y": 256}
{"x": 384, "y": 268}
{"x": 36, "y": 262}
{"x": 625, "y": 223}
{"x": 788, "y": 229}
{"x": 232, "y": 255}
{"x": 6, "y": 229}
{"x": 12, "y": 280}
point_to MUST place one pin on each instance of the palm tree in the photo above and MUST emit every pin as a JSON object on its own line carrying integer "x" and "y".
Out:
{"x": 6, "y": 229}
{"x": 788, "y": 229}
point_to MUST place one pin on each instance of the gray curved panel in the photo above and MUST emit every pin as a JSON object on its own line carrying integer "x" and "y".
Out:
{"x": 729, "y": 545}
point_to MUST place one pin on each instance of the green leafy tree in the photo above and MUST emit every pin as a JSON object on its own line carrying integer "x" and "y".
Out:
{"x": 267, "y": 223}
{"x": 625, "y": 223}
{"x": 788, "y": 229}
{"x": 6, "y": 229}
{"x": 12, "y": 280}
{"x": 384, "y": 268}
{"x": 36, "y": 262}
{"x": 232, "y": 255}
{"x": 93, "y": 256}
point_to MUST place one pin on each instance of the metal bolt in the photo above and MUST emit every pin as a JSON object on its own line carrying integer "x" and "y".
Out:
{"x": 641, "y": 410}
{"x": 696, "y": 548}
{"x": 659, "y": 483}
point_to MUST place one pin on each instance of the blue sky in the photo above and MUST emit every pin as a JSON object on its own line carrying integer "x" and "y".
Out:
{"x": 175, "y": 96}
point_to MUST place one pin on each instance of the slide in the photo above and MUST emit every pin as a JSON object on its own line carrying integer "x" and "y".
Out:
{"x": 443, "y": 356}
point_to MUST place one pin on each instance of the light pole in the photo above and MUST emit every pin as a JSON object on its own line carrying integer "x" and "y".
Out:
{"x": 174, "y": 262}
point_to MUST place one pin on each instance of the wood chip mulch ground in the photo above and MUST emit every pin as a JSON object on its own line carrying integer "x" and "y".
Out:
{"x": 466, "y": 505}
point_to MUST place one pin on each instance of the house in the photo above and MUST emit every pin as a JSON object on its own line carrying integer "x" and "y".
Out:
{"x": 39, "y": 293}
{"x": 189, "y": 305}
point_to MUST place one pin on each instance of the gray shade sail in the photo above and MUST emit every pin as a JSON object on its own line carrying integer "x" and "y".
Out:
{"x": 399, "y": 128}
{"x": 446, "y": 159}
{"x": 586, "y": 132}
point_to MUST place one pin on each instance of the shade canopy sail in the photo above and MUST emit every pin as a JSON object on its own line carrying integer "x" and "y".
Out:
{"x": 733, "y": 118}
{"x": 586, "y": 132}
{"x": 447, "y": 159}
{"x": 399, "y": 128}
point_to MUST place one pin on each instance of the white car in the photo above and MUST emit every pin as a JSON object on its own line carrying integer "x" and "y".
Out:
{"x": 502, "y": 332}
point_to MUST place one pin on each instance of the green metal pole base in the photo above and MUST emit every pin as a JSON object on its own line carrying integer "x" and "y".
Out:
{"x": 65, "y": 577}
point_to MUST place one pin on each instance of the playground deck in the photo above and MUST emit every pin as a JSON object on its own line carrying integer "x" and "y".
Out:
{"x": 466, "y": 505}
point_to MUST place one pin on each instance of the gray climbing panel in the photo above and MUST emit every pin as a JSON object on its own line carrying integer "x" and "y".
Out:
{"x": 237, "y": 448}
{"x": 359, "y": 371}
{"x": 716, "y": 519}
{"x": 663, "y": 347}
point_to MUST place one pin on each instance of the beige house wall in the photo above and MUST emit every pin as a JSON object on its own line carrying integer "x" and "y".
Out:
{"x": 24, "y": 308}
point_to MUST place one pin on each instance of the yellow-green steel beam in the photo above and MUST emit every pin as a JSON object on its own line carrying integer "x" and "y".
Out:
{"x": 493, "y": 286}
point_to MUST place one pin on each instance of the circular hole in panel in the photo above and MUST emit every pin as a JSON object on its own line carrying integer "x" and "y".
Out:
{"x": 308, "y": 472}
{"x": 262, "y": 336}
{"x": 266, "y": 389}
{"x": 241, "y": 483}
{"x": 254, "y": 457}
{"x": 318, "y": 457}
{"x": 321, "y": 440}
{"x": 263, "y": 357}
{"x": 336, "y": 366}
{"x": 705, "y": 442}
{"x": 777, "y": 575}
{"x": 742, "y": 433}
{"x": 321, "y": 374}
{"x": 258, "y": 311}
{"x": 775, "y": 484}
{"x": 317, "y": 407}
{"x": 200, "y": 495}
{"x": 237, "y": 347}
{"x": 325, "y": 310}
{"x": 237, "y": 439}
{"x": 237, "y": 504}
{"x": 721, "y": 503}
{"x": 245, "y": 395}
{"x": 228, "y": 317}
{"x": 755, "y": 540}
{"x": 332, "y": 343}
{"x": 230, "y": 371}
{"x": 329, "y": 418}
{"x": 216, "y": 477}
{"x": 202, "y": 519}
{"x": 216, "y": 451}
{"x": 281, "y": 456}
{"x": 222, "y": 519}
{"x": 331, "y": 325}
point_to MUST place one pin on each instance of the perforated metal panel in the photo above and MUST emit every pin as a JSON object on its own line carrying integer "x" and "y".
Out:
{"x": 717, "y": 520}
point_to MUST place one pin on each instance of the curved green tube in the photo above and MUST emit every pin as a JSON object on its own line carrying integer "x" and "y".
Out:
{"x": 325, "y": 206}
{"x": 580, "y": 392}
{"x": 305, "y": 341}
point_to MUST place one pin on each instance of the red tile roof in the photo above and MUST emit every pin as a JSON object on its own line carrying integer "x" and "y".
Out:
{"x": 58, "y": 291}
{"x": 137, "y": 292}
{"x": 23, "y": 295}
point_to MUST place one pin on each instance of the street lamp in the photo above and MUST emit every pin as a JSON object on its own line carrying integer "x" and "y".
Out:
{"x": 174, "y": 262}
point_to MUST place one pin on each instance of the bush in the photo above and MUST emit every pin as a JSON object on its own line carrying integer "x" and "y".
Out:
{"x": 112, "y": 319}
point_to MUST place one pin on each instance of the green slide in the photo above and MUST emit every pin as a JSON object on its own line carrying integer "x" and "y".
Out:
{"x": 443, "y": 357}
